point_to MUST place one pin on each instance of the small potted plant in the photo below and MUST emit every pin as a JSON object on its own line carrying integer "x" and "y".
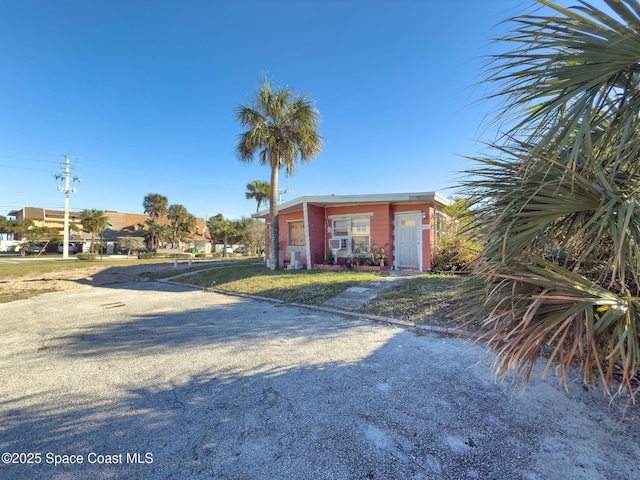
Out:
{"x": 378, "y": 255}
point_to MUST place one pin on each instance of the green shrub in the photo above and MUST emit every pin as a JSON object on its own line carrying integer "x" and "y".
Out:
{"x": 148, "y": 255}
{"x": 179, "y": 255}
{"x": 454, "y": 255}
{"x": 329, "y": 259}
{"x": 216, "y": 254}
{"x": 201, "y": 255}
{"x": 90, "y": 257}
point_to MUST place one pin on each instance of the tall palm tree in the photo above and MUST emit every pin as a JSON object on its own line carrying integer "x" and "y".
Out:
{"x": 222, "y": 229}
{"x": 94, "y": 221}
{"x": 260, "y": 190}
{"x": 181, "y": 221}
{"x": 282, "y": 128}
{"x": 188, "y": 225}
{"x": 557, "y": 204}
{"x": 156, "y": 206}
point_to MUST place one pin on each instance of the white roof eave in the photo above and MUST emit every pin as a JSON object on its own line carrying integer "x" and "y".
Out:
{"x": 328, "y": 200}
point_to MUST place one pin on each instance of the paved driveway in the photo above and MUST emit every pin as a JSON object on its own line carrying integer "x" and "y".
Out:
{"x": 153, "y": 381}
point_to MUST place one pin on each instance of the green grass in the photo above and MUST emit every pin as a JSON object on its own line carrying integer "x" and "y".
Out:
{"x": 28, "y": 268}
{"x": 31, "y": 267}
{"x": 21, "y": 268}
{"x": 424, "y": 299}
{"x": 311, "y": 287}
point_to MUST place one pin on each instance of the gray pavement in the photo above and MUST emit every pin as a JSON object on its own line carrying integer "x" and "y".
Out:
{"x": 152, "y": 381}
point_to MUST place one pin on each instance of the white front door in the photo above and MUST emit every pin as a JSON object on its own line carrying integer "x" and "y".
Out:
{"x": 408, "y": 241}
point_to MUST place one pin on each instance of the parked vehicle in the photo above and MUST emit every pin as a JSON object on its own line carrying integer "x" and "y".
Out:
{"x": 12, "y": 246}
{"x": 32, "y": 249}
{"x": 73, "y": 248}
{"x": 229, "y": 249}
{"x": 239, "y": 250}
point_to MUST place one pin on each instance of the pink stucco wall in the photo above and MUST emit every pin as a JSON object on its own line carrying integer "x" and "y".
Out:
{"x": 381, "y": 232}
{"x": 317, "y": 232}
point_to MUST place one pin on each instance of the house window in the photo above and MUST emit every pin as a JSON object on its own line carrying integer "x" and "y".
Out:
{"x": 354, "y": 235}
{"x": 360, "y": 235}
{"x": 296, "y": 233}
{"x": 441, "y": 225}
{"x": 341, "y": 228}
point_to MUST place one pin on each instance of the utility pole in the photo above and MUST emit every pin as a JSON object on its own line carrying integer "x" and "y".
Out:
{"x": 67, "y": 190}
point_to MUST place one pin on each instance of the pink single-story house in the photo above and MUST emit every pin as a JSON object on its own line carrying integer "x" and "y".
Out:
{"x": 406, "y": 225}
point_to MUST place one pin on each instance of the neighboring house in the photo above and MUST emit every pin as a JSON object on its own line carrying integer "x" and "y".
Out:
{"x": 406, "y": 225}
{"x": 120, "y": 225}
{"x": 134, "y": 225}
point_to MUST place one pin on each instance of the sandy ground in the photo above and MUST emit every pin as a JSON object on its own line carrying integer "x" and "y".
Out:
{"x": 91, "y": 274}
{"x": 145, "y": 380}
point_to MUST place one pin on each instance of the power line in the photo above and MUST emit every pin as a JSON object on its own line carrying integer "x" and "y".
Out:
{"x": 25, "y": 168}
{"x": 27, "y": 159}
{"x": 23, "y": 150}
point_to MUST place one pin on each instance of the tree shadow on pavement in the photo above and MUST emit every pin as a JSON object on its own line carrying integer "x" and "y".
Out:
{"x": 250, "y": 390}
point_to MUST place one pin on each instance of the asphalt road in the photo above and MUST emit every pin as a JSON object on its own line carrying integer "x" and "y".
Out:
{"x": 153, "y": 381}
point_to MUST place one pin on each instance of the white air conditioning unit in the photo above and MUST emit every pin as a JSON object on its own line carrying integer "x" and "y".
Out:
{"x": 338, "y": 243}
{"x": 334, "y": 244}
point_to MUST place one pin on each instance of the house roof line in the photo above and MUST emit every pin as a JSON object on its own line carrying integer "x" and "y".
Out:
{"x": 335, "y": 200}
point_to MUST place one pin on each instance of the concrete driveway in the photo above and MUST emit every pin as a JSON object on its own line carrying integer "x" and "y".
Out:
{"x": 154, "y": 381}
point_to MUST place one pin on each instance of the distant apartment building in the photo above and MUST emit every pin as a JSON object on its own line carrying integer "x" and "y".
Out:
{"x": 43, "y": 217}
{"x": 120, "y": 224}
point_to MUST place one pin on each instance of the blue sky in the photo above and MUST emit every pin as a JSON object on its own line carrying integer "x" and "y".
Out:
{"x": 146, "y": 93}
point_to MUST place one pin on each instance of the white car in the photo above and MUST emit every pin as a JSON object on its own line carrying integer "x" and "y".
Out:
{"x": 73, "y": 248}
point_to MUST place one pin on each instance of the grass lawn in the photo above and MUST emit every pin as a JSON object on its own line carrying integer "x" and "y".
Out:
{"x": 32, "y": 267}
{"x": 8, "y": 270}
{"x": 28, "y": 278}
{"x": 311, "y": 287}
{"x": 424, "y": 299}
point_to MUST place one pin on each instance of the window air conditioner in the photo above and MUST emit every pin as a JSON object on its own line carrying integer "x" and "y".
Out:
{"x": 339, "y": 243}
{"x": 334, "y": 244}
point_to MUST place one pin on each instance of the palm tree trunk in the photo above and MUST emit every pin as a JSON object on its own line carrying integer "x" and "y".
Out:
{"x": 274, "y": 230}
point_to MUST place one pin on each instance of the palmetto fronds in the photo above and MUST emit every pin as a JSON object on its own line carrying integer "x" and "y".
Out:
{"x": 557, "y": 206}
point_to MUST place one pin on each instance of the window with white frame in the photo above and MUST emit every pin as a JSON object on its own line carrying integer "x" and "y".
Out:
{"x": 354, "y": 234}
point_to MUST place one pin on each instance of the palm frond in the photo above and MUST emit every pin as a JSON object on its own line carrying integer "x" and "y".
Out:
{"x": 557, "y": 201}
